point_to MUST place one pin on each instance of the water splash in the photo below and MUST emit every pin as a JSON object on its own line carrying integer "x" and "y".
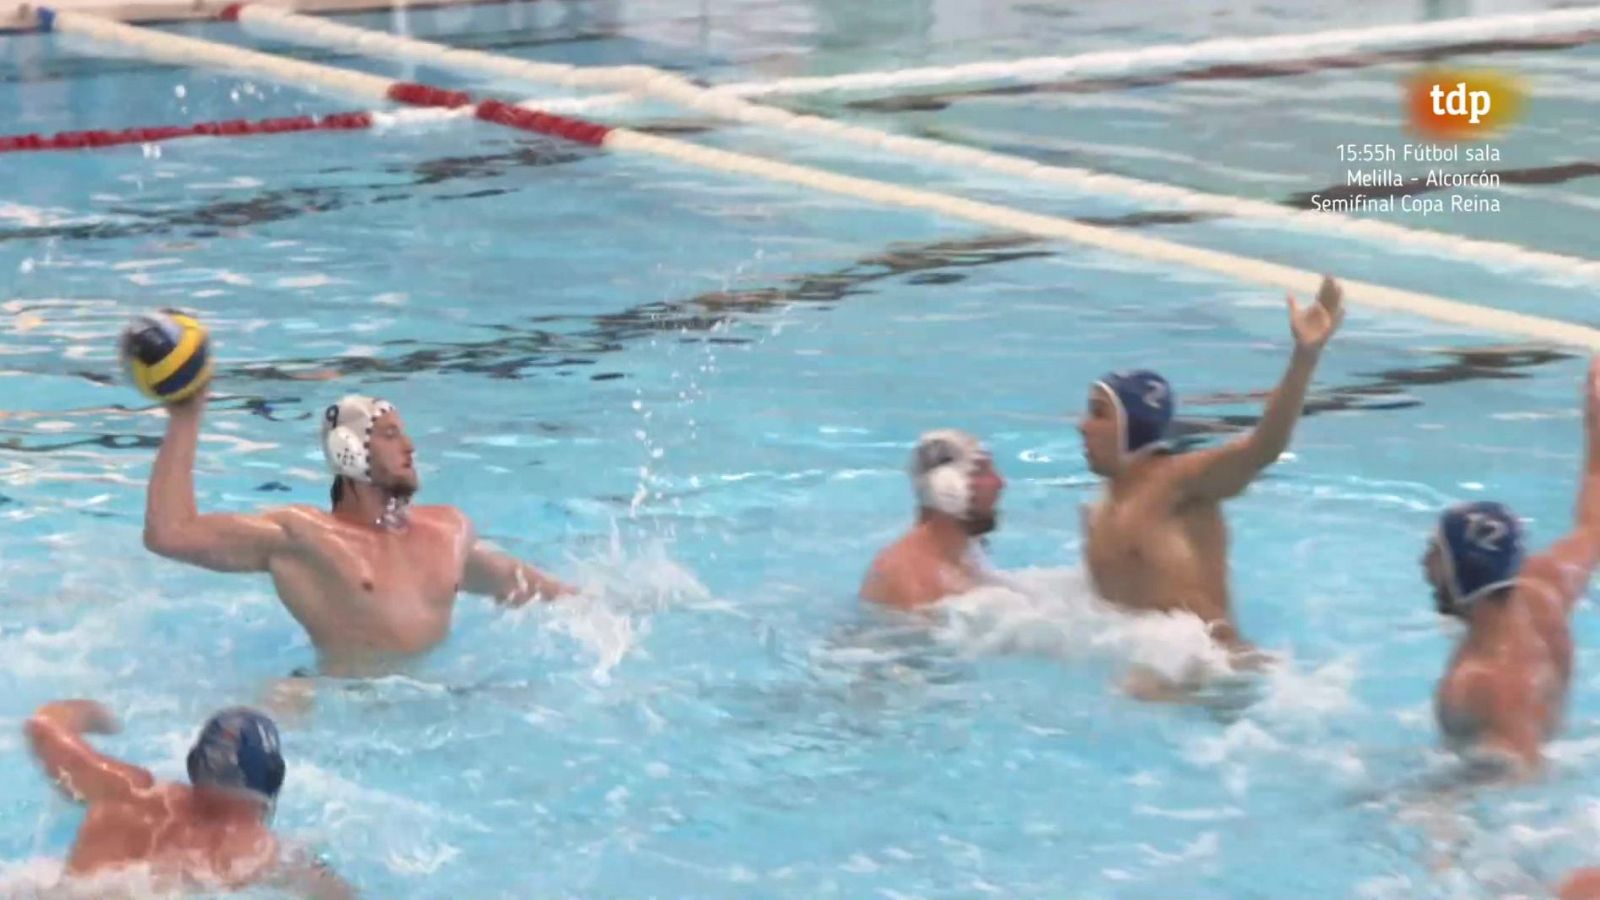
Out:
{"x": 621, "y": 590}
{"x": 1055, "y": 613}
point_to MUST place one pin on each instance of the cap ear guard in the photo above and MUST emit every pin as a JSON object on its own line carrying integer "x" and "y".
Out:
{"x": 347, "y": 451}
{"x": 347, "y": 435}
{"x": 941, "y": 469}
{"x": 947, "y": 489}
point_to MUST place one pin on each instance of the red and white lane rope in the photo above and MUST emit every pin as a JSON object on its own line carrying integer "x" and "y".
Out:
{"x": 193, "y": 51}
{"x": 644, "y": 81}
{"x": 78, "y": 140}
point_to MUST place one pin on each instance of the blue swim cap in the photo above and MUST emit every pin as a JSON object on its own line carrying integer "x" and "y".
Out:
{"x": 1144, "y": 406}
{"x": 1481, "y": 544}
{"x": 238, "y": 748}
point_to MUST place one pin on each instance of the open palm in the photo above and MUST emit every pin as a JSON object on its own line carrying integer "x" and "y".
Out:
{"x": 1314, "y": 325}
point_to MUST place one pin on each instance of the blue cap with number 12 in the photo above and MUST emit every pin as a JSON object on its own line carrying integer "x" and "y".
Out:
{"x": 1482, "y": 549}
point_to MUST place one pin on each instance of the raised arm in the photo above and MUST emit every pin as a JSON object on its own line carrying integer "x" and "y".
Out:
{"x": 1569, "y": 563}
{"x": 1226, "y": 471}
{"x": 174, "y": 527}
{"x": 83, "y": 774}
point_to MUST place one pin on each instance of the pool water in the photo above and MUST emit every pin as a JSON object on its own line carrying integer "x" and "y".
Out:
{"x": 695, "y": 395}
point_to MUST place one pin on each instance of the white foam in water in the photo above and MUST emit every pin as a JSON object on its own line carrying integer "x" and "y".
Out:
{"x": 619, "y": 594}
{"x": 404, "y": 833}
{"x": 63, "y": 656}
{"x": 1295, "y": 695}
{"x": 1573, "y": 752}
{"x": 303, "y": 281}
{"x": 236, "y": 183}
{"x": 40, "y": 879}
{"x": 1054, "y": 613}
{"x": 40, "y": 217}
{"x": 1202, "y": 847}
{"x": 134, "y": 264}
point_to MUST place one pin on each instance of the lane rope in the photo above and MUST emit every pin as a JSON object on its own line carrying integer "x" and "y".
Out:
{"x": 857, "y": 189}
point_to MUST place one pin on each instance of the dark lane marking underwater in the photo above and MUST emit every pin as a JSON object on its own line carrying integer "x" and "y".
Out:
{"x": 527, "y": 349}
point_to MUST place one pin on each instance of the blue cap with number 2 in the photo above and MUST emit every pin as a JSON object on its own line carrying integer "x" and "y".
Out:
{"x": 1144, "y": 407}
{"x": 1481, "y": 544}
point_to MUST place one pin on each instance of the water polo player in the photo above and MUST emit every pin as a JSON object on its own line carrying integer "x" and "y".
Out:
{"x": 371, "y": 581}
{"x": 1505, "y": 689}
{"x": 958, "y": 495}
{"x": 213, "y": 833}
{"x": 1156, "y": 539}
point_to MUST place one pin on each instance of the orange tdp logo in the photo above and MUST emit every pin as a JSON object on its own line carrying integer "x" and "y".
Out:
{"x": 1461, "y": 105}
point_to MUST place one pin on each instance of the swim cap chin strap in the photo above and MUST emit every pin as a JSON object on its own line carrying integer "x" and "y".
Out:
{"x": 941, "y": 470}
{"x": 1144, "y": 405}
{"x": 347, "y": 435}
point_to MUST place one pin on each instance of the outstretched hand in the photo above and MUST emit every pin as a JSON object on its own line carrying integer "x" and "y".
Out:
{"x": 1314, "y": 325}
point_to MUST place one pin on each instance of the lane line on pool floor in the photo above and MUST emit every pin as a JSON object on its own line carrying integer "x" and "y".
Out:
{"x": 646, "y": 81}
{"x": 193, "y": 51}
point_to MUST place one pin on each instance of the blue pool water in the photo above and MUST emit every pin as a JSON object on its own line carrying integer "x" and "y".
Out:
{"x": 694, "y": 394}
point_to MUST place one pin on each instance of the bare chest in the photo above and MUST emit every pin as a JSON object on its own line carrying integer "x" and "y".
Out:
{"x": 410, "y": 572}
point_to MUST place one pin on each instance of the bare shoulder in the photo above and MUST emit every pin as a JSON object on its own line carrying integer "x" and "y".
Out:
{"x": 892, "y": 557}
{"x": 1547, "y": 603}
{"x": 303, "y": 523}
{"x": 447, "y": 517}
{"x": 885, "y": 572}
{"x": 1546, "y": 578}
{"x": 297, "y": 516}
{"x": 152, "y": 798}
{"x": 439, "y": 511}
{"x": 1162, "y": 476}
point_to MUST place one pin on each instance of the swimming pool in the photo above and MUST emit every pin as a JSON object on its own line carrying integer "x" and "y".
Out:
{"x": 696, "y": 393}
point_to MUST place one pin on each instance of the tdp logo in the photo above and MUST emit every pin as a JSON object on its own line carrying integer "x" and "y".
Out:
{"x": 1456, "y": 105}
{"x": 1481, "y": 102}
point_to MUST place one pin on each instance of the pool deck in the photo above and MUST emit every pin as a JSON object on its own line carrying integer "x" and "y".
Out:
{"x": 22, "y": 16}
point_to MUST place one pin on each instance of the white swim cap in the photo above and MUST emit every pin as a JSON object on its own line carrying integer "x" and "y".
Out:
{"x": 347, "y": 435}
{"x": 942, "y": 467}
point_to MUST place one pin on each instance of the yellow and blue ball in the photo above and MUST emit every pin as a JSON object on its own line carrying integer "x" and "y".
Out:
{"x": 167, "y": 355}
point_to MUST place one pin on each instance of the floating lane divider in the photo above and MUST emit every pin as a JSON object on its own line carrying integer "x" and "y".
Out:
{"x": 78, "y": 140}
{"x": 192, "y": 51}
{"x": 1351, "y": 46}
{"x": 189, "y": 51}
{"x": 349, "y": 121}
{"x": 645, "y": 81}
